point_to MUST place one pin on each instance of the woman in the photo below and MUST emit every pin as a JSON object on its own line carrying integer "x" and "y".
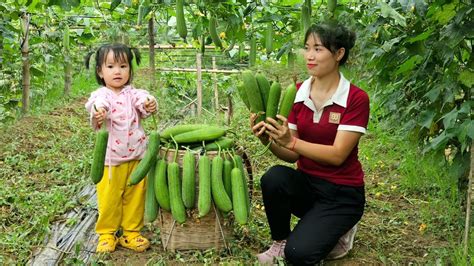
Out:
{"x": 321, "y": 134}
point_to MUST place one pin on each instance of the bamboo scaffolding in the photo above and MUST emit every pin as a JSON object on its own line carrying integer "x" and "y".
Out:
{"x": 183, "y": 47}
{"x": 199, "y": 84}
{"x": 65, "y": 235}
{"x": 216, "y": 91}
{"x": 177, "y": 69}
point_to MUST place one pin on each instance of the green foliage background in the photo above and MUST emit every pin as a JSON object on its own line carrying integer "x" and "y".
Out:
{"x": 415, "y": 56}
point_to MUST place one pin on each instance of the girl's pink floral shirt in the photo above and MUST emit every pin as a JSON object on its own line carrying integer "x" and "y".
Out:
{"x": 127, "y": 139}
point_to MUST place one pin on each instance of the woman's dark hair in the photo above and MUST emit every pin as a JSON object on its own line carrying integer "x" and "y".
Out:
{"x": 333, "y": 37}
{"x": 122, "y": 53}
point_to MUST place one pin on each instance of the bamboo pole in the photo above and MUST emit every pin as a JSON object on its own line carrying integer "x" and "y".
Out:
{"x": 67, "y": 62}
{"x": 193, "y": 103}
{"x": 67, "y": 73}
{"x": 1, "y": 49}
{"x": 26, "y": 64}
{"x": 230, "y": 109}
{"x": 199, "y": 84}
{"x": 470, "y": 194}
{"x": 216, "y": 92}
{"x": 151, "y": 36}
{"x": 183, "y": 47}
{"x": 177, "y": 69}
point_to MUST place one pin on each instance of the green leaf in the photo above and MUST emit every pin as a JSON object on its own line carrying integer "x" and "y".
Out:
{"x": 387, "y": 46}
{"x": 36, "y": 71}
{"x": 452, "y": 35}
{"x": 290, "y": 2}
{"x": 433, "y": 94}
{"x": 79, "y": 32}
{"x": 32, "y": 4}
{"x": 426, "y": 118}
{"x": 421, "y": 37}
{"x": 233, "y": 52}
{"x": 449, "y": 119}
{"x": 465, "y": 107}
{"x": 439, "y": 142}
{"x": 283, "y": 50}
{"x": 409, "y": 64}
{"x": 448, "y": 94}
{"x": 389, "y": 12}
{"x": 65, "y": 4}
{"x": 463, "y": 131}
{"x": 470, "y": 129}
{"x": 87, "y": 22}
{"x": 114, "y": 4}
{"x": 444, "y": 13}
{"x": 466, "y": 77}
{"x": 421, "y": 7}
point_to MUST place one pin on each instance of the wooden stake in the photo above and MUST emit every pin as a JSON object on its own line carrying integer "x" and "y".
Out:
{"x": 230, "y": 109}
{"x": 151, "y": 43}
{"x": 176, "y": 69}
{"x": 216, "y": 92}
{"x": 1, "y": 52}
{"x": 199, "y": 84}
{"x": 470, "y": 188}
{"x": 26, "y": 64}
{"x": 67, "y": 73}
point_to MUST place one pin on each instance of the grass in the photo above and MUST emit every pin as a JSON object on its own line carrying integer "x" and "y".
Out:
{"x": 413, "y": 212}
{"x": 44, "y": 161}
{"x": 397, "y": 167}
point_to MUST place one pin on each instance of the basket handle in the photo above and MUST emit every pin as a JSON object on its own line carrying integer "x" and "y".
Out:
{"x": 248, "y": 167}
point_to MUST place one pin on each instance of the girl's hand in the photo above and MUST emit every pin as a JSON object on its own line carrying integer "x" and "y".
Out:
{"x": 150, "y": 106}
{"x": 279, "y": 132}
{"x": 259, "y": 129}
{"x": 99, "y": 116}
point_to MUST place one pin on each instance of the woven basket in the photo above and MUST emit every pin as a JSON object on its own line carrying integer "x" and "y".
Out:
{"x": 211, "y": 231}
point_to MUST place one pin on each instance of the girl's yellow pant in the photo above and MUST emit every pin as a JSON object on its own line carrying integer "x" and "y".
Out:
{"x": 120, "y": 205}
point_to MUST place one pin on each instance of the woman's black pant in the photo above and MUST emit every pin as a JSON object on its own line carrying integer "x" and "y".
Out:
{"x": 326, "y": 211}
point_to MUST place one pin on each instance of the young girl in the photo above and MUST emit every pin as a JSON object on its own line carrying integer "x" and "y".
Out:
{"x": 120, "y": 107}
{"x": 321, "y": 134}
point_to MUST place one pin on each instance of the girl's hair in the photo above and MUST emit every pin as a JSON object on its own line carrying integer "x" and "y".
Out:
{"x": 333, "y": 37}
{"x": 122, "y": 53}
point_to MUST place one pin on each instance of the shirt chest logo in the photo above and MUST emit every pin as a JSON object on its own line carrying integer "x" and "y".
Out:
{"x": 334, "y": 118}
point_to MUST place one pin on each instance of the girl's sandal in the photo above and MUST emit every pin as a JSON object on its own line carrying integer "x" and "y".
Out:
{"x": 107, "y": 243}
{"x": 135, "y": 242}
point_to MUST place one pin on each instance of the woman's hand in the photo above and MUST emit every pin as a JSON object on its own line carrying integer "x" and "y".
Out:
{"x": 258, "y": 129}
{"x": 280, "y": 133}
{"x": 150, "y": 106}
{"x": 99, "y": 116}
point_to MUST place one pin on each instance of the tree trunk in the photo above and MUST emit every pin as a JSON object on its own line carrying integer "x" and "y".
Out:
{"x": 151, "y": 35}
{"x": 199, "y": 84}
{"x": 470, "y": 195}
{"x": 67, "y": 74}
{"x": 230, "y": 110}
{"x": 1, "y": 48}
{"x": 215, "y": 85}
{"x": 26, "y": 65}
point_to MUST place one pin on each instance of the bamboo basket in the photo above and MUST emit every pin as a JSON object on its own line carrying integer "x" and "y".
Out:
{"x": 211, "y": 231}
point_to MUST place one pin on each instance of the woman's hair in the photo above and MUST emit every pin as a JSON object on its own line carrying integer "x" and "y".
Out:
{"x": 333, "y": 37}
{"x": 122, "y": 53}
